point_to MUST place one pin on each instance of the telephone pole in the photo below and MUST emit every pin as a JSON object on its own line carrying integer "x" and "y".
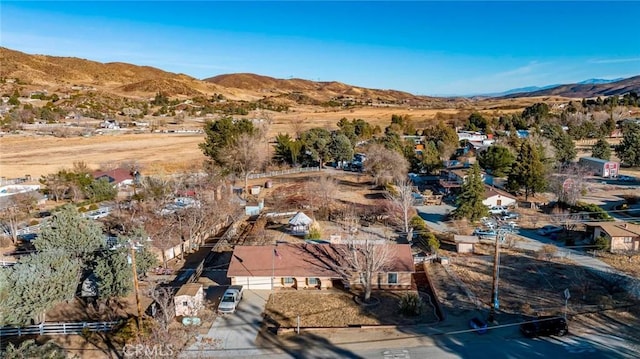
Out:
{"x": 135, "y": 286}
{"x": 495, "y": 303}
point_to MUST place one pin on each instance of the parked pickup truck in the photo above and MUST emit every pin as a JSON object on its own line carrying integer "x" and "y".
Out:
{"x": 230, "y": 300}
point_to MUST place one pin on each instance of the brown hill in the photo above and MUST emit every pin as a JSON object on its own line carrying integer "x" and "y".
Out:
{"x": 315, "y": 89}
{"x": 117, "y": 77}
{"x": 587, "y": 90}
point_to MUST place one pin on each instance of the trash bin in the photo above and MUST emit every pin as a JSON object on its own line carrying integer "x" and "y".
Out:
{"x": 268, "y": 184}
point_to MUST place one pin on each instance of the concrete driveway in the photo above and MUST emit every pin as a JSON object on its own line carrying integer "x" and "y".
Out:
{"x": 233, "y": 334}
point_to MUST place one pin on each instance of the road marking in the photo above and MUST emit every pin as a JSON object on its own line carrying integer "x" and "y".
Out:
{"x": 396, "y": 354}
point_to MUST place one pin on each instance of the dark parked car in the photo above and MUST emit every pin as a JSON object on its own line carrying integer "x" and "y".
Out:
{"x": 544, "y": 326}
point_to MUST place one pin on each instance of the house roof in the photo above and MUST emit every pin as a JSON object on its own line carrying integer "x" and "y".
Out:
{"x": 492, "y": 191}
{"x": 190, "y": 289}
{"x": 300, "y": 218}
{"x": 117, "y": 175}
{"x": 465, "y": 239}
{"x": 304, "y": 260}
{"x": 617, "y": 229}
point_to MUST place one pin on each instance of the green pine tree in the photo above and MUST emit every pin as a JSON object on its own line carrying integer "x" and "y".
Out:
{"x": 469, "y": 200}
{"x": 601, "y": 150}
{"x": 528, "y": 171}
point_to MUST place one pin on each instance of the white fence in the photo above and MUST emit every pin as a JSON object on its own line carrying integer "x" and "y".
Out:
{"x": 57, "y": 328}
{"x": 284, "y": 172}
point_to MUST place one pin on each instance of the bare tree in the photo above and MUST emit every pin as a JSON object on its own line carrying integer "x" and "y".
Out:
{"x": 246, "y": 155}
{"x": 384, "y": 165}
{"x": 321, "y": 194}
{"x": 364, "y": 260}
{"x": 400, "y": 199}
{"x": 17, "y": 210}
{"x": 569, "y": 183}
{"x": 163, "y": 299}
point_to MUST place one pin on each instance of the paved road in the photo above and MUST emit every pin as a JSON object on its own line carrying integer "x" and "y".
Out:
{"x": 427, "y": 343}
{"x": 235, "y": 334}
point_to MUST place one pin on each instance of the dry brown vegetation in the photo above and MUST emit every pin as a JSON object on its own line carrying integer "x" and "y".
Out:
{"x": 629, "y": 264}
{"x": 338, "y": 309}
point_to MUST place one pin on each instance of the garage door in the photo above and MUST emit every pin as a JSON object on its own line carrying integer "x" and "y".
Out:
{"x": 254, "y": 282}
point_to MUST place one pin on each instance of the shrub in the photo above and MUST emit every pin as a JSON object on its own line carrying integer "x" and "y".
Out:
{"x": 93, "y": 207}
{"x": 602, "y": 243}
{"x": 33, "y": 222}
{"x": 548, "y": 251}
{"x": 411, "y": 304}
{"x": 82, "y": 209}
{"x": 314, "y": 233}
{"x": 417, "y": 223}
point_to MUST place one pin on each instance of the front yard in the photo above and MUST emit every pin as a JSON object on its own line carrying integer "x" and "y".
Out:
{"x": 332, "y": 308}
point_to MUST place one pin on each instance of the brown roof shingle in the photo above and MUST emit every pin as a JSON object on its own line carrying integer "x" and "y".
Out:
{"x": 302, "y": 260}
{"x": 618, "y": 229}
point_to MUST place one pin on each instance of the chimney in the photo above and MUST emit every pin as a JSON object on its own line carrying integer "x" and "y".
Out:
{"x": 626, "y": 225}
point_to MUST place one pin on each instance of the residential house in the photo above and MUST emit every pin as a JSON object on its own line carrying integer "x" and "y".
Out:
{"x": 623, "y": 236}
{"x": 118, "y": 177}
{"x": 189, "y": 299}
{"x": 311, "y": 266}
{"x": 495, "y": 197}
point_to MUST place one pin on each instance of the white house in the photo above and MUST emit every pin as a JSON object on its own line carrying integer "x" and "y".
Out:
{"x": 495, "y": 197}
{"x": 189, "y": 299}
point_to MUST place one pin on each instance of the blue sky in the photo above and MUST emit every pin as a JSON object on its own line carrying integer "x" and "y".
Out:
{"x": 427, "y": 48}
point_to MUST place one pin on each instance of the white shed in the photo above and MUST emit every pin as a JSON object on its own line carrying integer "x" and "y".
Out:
{"x": 494, "y": 197}
{"x": 189, "y": 299}
{"x": 465, "y": 244}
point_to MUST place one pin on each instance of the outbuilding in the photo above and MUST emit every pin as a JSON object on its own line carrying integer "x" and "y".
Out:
{"x": 189, "y": 299}
{"x": 600, "y": 167}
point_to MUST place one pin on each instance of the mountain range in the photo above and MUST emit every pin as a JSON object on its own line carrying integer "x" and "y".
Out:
{"x": 56, "y": 73}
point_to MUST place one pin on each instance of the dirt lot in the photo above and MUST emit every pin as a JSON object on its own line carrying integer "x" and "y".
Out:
{"x": 629, "y": 264}
{"x": 333, "y": 308}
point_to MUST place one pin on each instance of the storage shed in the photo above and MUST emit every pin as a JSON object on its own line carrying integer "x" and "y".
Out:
{"x": 465, "y": 244}
{"x": 189, "y": 299}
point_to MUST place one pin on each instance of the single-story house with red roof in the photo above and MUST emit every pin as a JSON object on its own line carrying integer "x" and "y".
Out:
{"x": 311, "y": 266}
{"x": 119, "y": 177}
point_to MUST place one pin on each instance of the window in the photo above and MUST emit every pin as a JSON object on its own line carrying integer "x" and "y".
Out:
{"x": 392, "y": 278}
{"x": 185, "y": 304}
{"x": 312, "y": 281}
{"x": 628, "y": 240}
{"x": 288, "y": 280}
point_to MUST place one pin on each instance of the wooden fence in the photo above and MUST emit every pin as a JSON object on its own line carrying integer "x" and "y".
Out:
{"x": 283, "y": 172}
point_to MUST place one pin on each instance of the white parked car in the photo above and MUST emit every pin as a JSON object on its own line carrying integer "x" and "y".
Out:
{"x": 548, "y": 229}
{"x": 497, "y": 210}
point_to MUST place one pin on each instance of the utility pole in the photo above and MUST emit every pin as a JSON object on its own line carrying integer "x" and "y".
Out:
{"x": 495, "y": 303}
{"x": 135, "y": 286}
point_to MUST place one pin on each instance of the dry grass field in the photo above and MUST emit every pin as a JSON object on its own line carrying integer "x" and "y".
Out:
{"x": 36, "y": 155}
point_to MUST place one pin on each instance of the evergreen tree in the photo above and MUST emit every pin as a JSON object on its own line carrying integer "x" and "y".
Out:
{"x": 469, "y": 200}
{"x": 68, "y": 231}
{"x": 528, "y": 171}
{"x": 601, "y": 150}
{"x": 429, "y": 160}
{"x": 497, "y": 160}
{"x": 629, "y": 149}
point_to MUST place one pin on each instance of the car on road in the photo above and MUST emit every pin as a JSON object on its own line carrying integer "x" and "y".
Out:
{"x": 626, "y": 179}
{"x": 545, "y": 326}
{"x": 548, "y": 229}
